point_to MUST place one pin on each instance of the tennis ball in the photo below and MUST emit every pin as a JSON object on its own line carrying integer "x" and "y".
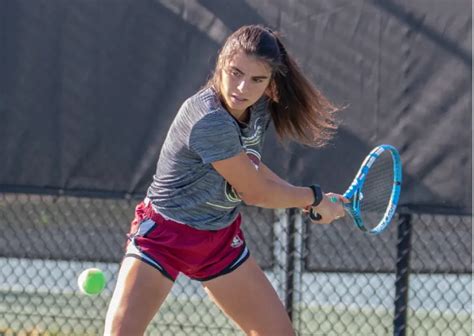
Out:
{"x": 91, "y": 281}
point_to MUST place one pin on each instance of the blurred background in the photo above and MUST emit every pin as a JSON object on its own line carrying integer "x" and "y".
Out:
{"x": 88, "y": 90}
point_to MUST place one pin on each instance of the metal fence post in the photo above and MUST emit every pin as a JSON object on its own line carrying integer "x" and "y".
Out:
{"x": 403, "y": 271}
{"x": 290, "y": 262}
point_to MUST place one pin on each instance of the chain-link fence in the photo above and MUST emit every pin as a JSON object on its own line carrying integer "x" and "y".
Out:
{"x": 333, "y": 279}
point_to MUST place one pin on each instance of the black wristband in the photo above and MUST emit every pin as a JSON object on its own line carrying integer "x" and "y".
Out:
{"x": 318, "y": 194}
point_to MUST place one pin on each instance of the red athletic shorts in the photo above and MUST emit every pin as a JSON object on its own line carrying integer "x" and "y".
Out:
{"x": 173, "y": 247}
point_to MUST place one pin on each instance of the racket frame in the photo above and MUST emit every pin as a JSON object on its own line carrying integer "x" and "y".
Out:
{"x": 354, "y": 194}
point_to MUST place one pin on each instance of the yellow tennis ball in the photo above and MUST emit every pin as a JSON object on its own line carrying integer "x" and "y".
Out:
{"x": 91, "y": 281}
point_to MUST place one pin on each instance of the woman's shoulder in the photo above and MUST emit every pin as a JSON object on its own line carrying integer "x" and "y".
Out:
{"x": 201, "y": 113}
{"x": 205, "y": 98}
{"x": 205, "y": 104}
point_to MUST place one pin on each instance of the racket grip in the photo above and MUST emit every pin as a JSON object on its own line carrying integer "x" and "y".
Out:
{"x": 314, "y": 215}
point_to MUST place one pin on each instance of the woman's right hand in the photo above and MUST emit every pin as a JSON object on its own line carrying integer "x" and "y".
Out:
{"x": 330, "y": 208}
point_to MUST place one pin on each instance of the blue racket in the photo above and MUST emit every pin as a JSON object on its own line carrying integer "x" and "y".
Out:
{"x": 373, "y": 194}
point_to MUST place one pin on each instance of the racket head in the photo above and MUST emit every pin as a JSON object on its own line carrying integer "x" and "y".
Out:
{"x": 375, "y": 191}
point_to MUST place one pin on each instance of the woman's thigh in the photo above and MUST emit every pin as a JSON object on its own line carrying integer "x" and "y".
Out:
{"x": 138, "y": 294}
{"x": 248, "y": 298}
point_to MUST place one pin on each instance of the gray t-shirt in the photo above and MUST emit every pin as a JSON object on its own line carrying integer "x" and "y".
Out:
{"x": 186, "y": 188}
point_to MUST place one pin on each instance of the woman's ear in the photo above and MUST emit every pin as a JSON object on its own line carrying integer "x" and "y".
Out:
{"x": 270, "y": 91}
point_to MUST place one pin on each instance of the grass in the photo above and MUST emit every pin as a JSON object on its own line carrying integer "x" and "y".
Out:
{"x": 334, "y": 321}
{"x": 46, "y": 314}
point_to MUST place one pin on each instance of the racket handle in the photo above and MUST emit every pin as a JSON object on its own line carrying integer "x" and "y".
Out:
{"x": 314, "y": 215}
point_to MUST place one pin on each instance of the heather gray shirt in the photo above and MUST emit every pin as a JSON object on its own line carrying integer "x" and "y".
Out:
{"x": 186, "y": 188}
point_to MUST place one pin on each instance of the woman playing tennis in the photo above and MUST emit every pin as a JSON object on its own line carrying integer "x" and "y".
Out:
{"x": 209, "y": 164}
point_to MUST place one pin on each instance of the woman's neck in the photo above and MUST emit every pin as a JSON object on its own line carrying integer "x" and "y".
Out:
{"x": 242, "y": 117}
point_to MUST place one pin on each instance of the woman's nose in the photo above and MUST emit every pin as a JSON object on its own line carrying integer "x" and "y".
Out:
{"x": 241, "y": 86}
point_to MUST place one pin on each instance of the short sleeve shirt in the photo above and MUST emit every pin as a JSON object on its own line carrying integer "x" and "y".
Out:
{"x": 185, "y": 187}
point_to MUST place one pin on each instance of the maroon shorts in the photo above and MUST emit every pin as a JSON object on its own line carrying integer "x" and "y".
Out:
{"x": 173, "y": 247}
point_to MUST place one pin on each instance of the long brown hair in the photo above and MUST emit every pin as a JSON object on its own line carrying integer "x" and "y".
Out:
{"x": 298, "y": 110}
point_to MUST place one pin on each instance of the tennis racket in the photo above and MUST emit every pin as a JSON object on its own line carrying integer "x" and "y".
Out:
{"x": 373, "y": 194}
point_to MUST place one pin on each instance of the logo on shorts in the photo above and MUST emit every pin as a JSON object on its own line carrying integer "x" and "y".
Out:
{"x": 236, "y": 242}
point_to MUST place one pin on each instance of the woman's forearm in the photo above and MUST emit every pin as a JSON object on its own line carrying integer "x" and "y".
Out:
{"x": 279, "y": 193}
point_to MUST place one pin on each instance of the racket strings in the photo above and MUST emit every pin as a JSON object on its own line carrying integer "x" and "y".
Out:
{"x": 377, "y": 190}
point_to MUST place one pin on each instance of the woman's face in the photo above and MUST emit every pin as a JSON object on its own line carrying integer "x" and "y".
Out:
{"x": 244, "y": 81}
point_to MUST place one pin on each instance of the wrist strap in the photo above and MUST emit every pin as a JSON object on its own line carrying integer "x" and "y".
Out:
{"x": 318, "y": 194}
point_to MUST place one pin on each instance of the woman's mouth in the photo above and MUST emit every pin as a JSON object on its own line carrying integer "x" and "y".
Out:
{"x": 237, "y": 99}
